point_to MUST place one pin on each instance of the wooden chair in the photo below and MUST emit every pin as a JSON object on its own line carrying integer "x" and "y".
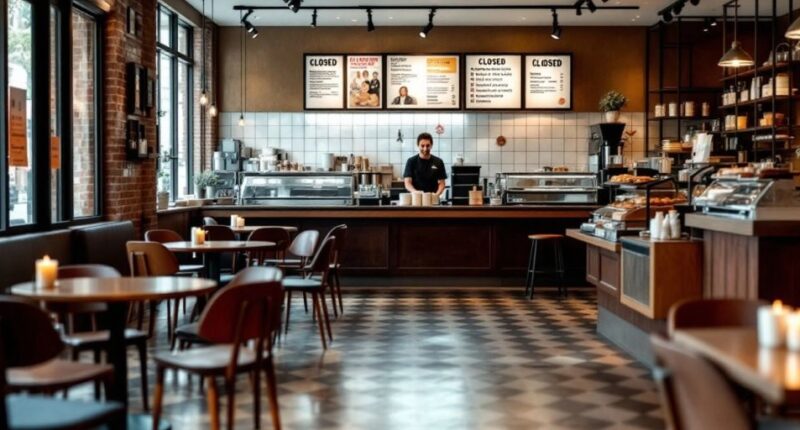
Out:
{"x": 693, "y": 392}
{"x": 223, "y": 232}
{"x": 27, "y": 340}
{"x": 697, "y": 313}
{"x": 153, "y": 259}
{"x": 279, "y": 235}
{"x": 314, "y": 281}
{"x": 340, "y": 232}
{"x": 164, "y": 236}
{"x": 96, "y": 340}
{"x": 302, "y": 247}
{"x": 207, "y": 220}
{"x": 247, "y": 309}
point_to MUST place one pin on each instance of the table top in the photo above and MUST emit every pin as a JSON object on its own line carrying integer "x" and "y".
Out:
{"x": 251, "y": 228}
{"x": 217, "y": 246}
{"x": 773, "y": 374}
{"x": 116, "y": 289}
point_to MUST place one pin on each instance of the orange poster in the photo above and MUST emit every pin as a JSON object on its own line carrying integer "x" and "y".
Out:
{"x": 17, "y": 128}
{"x": 55, "y": 152}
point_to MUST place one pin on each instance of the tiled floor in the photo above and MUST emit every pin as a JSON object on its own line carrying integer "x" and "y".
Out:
{"x": 444, "y": 359}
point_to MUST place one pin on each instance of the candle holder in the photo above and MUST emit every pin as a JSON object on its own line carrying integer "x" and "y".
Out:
{"x": 46, "y": 272}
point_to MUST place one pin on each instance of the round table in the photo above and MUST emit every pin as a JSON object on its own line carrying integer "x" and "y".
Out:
{"x": 212, "y": 249}
{"x": 117, "y": 293}
{"x": 251, "y": 228}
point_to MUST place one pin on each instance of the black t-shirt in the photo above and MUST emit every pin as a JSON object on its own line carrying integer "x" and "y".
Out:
{"x": 425, "y": 174}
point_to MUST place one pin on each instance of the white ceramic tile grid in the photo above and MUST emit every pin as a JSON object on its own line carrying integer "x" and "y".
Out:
{"x": 533, "y": 140}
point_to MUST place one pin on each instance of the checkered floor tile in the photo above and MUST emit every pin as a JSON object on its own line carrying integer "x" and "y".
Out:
{"x": 442, "y": 359}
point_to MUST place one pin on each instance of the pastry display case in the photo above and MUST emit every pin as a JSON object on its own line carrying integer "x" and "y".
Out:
{"x": 297, "y": 188}
{"x": 751, "y": 199}
{"x": 547, "y": 188}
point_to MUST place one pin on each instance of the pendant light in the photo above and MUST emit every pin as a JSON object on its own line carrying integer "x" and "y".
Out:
{"x": 736, "y": 56}
{"x": 793, "y": 32}
{"x": 203, "y": 95}
{"x": 243, "y": 52}
{"x": 212, "y": 110}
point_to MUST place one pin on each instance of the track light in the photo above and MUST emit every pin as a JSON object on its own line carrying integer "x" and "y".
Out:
{"x": 427, "y": 29}
{"x": 677, "y": 7}
{"x": 248, "y": 25}
{"x": 694, "y": 2}
{"x": 590, "y": 4}
{"x": 578, "y": 6}
{"x": 712, "y": 22}
{"x": 370, "y": 24}
{"x": 293, "y": 5}
{"x": 666, "y": 16}
{"x": 314, "y": 19}
{"x": 556, "y": 33}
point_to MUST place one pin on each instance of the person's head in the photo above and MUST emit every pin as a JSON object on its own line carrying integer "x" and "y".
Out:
{"x": 374, "y": 75}
{"x": 365, "y": 74}
{"x": 425, "y": 144}
{"x": 365, "y": 86}
{"x": 404, "y": 93}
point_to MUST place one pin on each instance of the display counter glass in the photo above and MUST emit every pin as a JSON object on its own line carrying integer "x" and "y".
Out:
{"x": 297, "y": 189}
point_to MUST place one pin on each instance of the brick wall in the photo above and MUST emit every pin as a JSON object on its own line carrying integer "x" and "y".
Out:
{"x": 205, "y": 143}
{"x": 130, "y": 187}
{"x": 83, "y": 131}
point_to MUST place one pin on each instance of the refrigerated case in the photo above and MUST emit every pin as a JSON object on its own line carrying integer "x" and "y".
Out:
{"x": 751, "y": 198}
{"x": 547, "y": 187}
{"x": 297, "y": 188}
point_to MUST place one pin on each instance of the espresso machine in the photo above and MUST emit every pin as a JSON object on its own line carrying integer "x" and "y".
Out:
{"x": 605, "y": 149}
{"x": 228, "y": 158}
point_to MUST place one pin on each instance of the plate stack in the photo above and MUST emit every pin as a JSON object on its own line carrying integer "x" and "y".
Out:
{"x": 671, "y": 146}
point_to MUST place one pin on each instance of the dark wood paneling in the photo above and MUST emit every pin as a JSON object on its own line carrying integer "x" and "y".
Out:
{"x": 177, "y": 221}
{"x": 437, "y": 245}
{"x": 367, "y": 247}
{"x": 609, "y": 272}
{"x": 592, "y": 264}
{"x": 613, "y": 304}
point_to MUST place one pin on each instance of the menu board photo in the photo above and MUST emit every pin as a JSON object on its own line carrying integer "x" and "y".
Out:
{"x": 548, "y": 81}
{"x": 423, "y": 82}
{"x": 324, "y": 82}
{"x": 364, "y": 81}
{"x": 493, "y": 81}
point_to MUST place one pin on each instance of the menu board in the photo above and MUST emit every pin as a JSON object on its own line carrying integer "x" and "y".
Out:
{"x": 493, "y": 81}
{"x": 324, "y": 82}
{"x": 364, "y": 81}
{"x": 423, "y": 82}
{"x": 548, "y": 81}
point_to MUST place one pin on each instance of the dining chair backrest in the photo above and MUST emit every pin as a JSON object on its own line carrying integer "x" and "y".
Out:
{"x": 249, "y": 307}
{"x": 699, "y": 313}
{"x": 66, "y": 311}
{"x": 207, "y": 220}
{"x": 162, "y": 236}
{"x": 219, "y": 232}
{"x": 87, "y": 271}
{"x": 27, "y": 336}
{"x": 340, "y": 232}
{"x": 279, "y": 235}
{"x": 304, "y": 244}
{"x": 695, "y": 395}
{"x": 151, "y": 259}
{"x": 320, "y": 264}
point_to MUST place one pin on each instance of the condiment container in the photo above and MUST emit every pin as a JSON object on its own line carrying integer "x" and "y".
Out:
{"x": 416, "y": 198}
{"x": 706, "y": 109}
{"x": 673, "y": 109}
{"x": 426, "y": 199}
{"x": 475, "y": 197}
{"x": 405, "y": 199}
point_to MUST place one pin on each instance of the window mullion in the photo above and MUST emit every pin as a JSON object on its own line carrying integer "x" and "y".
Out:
{"x": 66, "y": 197}
{"x": 40, "y": 100}
{"x": 4, "y": 183}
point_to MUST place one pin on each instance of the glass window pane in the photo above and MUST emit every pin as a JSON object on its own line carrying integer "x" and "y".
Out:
{"x": 55, "y": 131}
{"x": 183, "y": 40}
{"x": 163, "y": 28}
{"x": 84, "y": 116}
{"x": 20, "y": 174}
{"x": 165, "y": 121}
{"x": 183, "y": 129}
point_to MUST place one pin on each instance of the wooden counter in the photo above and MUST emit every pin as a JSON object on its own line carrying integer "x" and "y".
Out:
{"x": 750, "y": 259}
{"x": 462, "y": 241}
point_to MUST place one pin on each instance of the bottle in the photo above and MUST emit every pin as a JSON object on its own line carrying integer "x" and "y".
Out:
{"x": 741, "y": 152}
{"x": 351, "y": 162}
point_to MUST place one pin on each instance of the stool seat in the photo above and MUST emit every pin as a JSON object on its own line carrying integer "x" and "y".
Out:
{"x": 545, "y": 236}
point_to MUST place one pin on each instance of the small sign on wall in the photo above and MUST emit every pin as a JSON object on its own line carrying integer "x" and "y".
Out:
{"x": 548, "y": 81}
{"x": 323, "y": 83}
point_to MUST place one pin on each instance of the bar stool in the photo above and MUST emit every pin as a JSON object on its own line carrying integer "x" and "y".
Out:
{"x": 558, "y": 259}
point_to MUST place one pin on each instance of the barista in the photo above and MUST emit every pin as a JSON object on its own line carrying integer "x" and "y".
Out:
{"x": 425, "y": 172}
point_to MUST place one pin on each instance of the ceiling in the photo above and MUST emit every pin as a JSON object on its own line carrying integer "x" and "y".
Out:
{"x": 224, "y": 14}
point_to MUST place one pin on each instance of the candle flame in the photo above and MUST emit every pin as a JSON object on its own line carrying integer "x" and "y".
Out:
{"x": 777, "y": 305}
{"x": 46, "y": 257}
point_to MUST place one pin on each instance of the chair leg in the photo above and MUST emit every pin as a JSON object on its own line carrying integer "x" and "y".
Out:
{"x": 151, "y": 322}
{"x": 305, "y": 302}
{"x": 230, "y": 387}
{"x": 530, "y": 266}
{"x": 535, "y": 246}
{"x": 325, "y": 313}
{"x": 561, "y": 267}
{"x": 321, "y": 324}
{"x": 256, "y": 382}
{"x": 288, "y": 307}
{"x": 142, "y": 347}
{"x": 338, "y": 284}
{"x": 272, "y": 390}
{"x": 174, "y": 324}
{"x": 212, "y": 400}
{"x": 158, "y": 396}
{"x": 140, "y": 315}
{"x": 333, "y": 295}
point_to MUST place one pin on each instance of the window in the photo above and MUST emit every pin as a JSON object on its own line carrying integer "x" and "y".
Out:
{"x": 175, "y": 71}
{"x": 20, "y": 85}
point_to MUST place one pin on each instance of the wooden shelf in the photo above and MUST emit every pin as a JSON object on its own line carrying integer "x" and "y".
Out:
{"x": 752, "y": 72}
{"x": 755, "y": 129}
{"x": 682, "y": 118}
{"x": 670, "y": 90}
{"x": 759, "y": 100}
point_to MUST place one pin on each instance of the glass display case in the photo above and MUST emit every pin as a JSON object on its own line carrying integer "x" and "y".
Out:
{"x": 297, "y": 188}
{"x": 751, "y": 198}
{"x": 547, "y": 187}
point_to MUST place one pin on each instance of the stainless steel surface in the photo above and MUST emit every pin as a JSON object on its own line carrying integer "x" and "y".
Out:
{"x": 751, "y": 198}
{"x": 547, "y": 188}
{"x": 297, "y": 189}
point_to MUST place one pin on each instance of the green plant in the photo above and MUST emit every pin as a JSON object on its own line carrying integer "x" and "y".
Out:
{"x": 612, "y": 101}
{"x": 206, "y": 179}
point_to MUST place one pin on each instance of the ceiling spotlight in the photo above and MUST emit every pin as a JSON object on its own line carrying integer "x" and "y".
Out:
{"x": 694, "y": 2}
{"x": 556, "y": 33}
{"x": 712, "y": 22}
{"x": 578, "y": 6}
{"x": 314, "y": 19}
{"x": 666, "y": 16}
{"x": 248, "y": 25}
{"x": 427, "y": 29}
{"x": 370, "y": 24}
{"x": 293, "y": 5}
{"x": 590, "y": 4}
{"x": 254, "y": 33}
{"x": 247, "y": 15}
{"x": 677, "y": 8}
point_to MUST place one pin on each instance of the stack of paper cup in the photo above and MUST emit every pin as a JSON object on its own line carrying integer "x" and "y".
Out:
{"x": 434, "y": 199}
{"x": 426, "y": 199}
{"x": 405, "y": 199}
{"x": 416, "y": 198}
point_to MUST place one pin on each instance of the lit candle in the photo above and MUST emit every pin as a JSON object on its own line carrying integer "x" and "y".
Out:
{"x": 239, "y": 222}
{"x": 793, "y": 331}
{"x": 46, "y": 272}
{"x": 772, "y": 325}
{"x": 198, "y": 236}
{"x": 234, "y": 221}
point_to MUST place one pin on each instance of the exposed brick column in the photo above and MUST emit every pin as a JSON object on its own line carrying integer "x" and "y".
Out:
{"x": 129, "y": 197}
{"x": 204, "y": 149}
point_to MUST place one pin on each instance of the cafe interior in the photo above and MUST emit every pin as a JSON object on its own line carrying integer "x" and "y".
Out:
{"x": 375, "y": 214}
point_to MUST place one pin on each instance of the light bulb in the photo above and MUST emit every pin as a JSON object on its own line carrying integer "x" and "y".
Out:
{"x": 212, "y": 110}
{"x": 203, "y": 99}
{"x": 241, "y": 121}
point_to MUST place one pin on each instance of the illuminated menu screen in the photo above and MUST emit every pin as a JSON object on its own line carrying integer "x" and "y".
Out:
{"x": 324, "y": 82}
{"x": 422, "y": 82}
{"x": 548, "y": 82}
{"x": 493, "y": 81}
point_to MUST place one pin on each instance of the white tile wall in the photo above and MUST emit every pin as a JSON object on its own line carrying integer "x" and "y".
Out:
{"x": 534, "y": 140}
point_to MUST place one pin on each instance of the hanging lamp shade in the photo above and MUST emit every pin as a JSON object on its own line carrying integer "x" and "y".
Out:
{"x": 736, "y": 57}
{"x": 793, "y": 32}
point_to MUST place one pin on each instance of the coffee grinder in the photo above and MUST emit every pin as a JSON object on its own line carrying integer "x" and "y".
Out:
{"x": 605, "y": 149}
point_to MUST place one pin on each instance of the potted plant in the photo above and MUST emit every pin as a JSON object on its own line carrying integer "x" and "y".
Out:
{"x": 163, "y": 187}
{"x": 206, "y": 183}
{"x": 611, "y": 103}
